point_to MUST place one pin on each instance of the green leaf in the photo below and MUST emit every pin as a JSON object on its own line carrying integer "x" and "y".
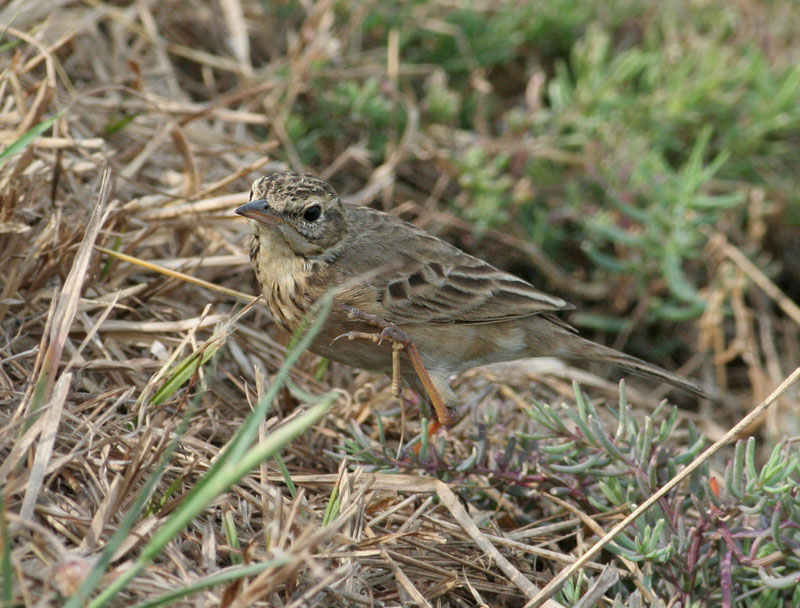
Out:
{"x": 24, "y": 140}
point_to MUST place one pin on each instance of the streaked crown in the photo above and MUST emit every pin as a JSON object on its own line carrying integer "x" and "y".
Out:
{"x": 287, "y": 190}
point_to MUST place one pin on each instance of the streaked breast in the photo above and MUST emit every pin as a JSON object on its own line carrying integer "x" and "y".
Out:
{"x": 284, "y": 278}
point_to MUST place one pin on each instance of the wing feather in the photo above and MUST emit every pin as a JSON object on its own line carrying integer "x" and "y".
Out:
{"x": 430, "y": 281}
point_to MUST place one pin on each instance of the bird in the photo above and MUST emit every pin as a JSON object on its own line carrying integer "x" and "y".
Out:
{"x": 392, "y": 282}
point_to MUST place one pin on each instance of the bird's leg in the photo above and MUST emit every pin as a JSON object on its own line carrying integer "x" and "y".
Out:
{"x": 397, "y": 391}
{"x": 400, "y": 341}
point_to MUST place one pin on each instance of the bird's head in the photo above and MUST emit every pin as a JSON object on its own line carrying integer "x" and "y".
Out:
{"x": 303, "y": 209}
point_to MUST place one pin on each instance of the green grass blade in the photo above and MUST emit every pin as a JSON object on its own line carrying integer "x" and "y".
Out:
{"x": 24, "y": 140}
{"x": 231, "y": 465}
{"x": 216, "y": 482}
{"x": 6, "y": 570}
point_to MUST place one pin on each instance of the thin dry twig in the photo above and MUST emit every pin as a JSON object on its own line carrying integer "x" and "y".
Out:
{"x": 785, "y": 303}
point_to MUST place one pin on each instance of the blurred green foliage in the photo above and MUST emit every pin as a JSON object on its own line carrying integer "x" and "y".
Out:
{"x": 348, "y": 111}
{"x": 650, "y": 122}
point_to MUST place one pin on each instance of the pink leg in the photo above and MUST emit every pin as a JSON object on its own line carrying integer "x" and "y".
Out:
{"x": 400, "y": 341}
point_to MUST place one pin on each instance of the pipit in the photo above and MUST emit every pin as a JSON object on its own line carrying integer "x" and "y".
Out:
{"x": 403, "y": 289}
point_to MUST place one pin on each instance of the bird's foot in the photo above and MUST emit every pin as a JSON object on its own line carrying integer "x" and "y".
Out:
{"x": 389, "y": 332}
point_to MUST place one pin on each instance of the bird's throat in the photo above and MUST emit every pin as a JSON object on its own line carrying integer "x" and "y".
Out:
{"x": 282, "y": 275}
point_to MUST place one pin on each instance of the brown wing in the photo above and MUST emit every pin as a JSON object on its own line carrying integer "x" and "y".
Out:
{"x": 429, "y": 281}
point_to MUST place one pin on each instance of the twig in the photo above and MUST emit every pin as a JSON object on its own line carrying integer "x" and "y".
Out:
{"x": 784, "y": 302}
{"x": 175, "y": 274}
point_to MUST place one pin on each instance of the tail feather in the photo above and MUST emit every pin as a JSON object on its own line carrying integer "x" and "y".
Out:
{"x": 591, "y": 351}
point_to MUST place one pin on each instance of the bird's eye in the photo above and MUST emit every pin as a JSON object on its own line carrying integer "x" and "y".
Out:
{"x": 312, "y": 213}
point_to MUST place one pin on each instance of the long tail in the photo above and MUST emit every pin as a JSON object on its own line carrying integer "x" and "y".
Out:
{"x": 583, "y": 349}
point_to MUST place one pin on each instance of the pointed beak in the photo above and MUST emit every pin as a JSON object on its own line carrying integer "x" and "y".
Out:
{"x": 259, "y": 211}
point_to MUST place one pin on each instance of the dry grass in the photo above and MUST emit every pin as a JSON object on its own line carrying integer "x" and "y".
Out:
{"x": 159, "y": 124}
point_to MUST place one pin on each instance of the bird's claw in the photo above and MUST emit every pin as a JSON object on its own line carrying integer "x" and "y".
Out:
{"x": 390, "y": 334}
{"x": 359, "y": 335}
{"x": 400, "y": 341}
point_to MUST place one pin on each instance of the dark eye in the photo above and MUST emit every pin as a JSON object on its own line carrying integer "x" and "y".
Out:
{"x": 312, "y": 213}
